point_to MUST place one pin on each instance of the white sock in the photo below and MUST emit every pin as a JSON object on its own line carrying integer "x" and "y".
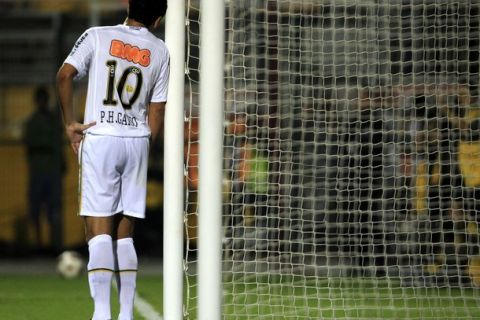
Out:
{"x": 100, "y": 271}
{"x": 127, "y": 265}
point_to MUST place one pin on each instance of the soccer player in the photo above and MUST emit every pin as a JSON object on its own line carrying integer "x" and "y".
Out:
{"x": 128, "y": 71}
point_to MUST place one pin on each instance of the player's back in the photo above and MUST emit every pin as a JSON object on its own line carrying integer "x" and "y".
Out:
{"x": 128, "y": 69}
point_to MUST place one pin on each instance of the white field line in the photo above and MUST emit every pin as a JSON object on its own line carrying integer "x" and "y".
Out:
{"x": 145, "y": 309}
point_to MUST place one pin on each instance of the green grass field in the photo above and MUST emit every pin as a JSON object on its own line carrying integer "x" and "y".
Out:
{"x": 48, "y": 297}
{"x": 347, "y": 298}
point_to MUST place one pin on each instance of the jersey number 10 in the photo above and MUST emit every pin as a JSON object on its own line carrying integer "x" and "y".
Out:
{"x": 134, "y": 71}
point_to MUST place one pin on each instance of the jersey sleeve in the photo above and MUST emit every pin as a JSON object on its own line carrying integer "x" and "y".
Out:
{"x": 82, "y": 53}
{"x": 160, "y": 88}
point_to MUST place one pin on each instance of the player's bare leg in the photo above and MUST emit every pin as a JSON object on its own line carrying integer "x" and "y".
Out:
{"x": 123, "y": 226}
{"x": 95, "y": 226}
{"x": 126, "y": 264}
{"x": 100, "y": 264}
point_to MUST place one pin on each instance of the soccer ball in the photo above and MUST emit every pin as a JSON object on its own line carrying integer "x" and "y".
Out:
{"x": 70, "y": 264}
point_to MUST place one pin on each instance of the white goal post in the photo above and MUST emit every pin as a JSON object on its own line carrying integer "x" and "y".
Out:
{"x": 210, "y": 161}
{"x": 173, "y": 242}
{"x": 344, "y": 182}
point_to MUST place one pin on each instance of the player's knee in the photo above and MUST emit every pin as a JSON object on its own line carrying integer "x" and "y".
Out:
{"x": 95, "y": 226}
{"x": 125, "y": 227}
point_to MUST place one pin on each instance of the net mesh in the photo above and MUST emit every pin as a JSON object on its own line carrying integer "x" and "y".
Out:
{"x": 351, "y": 159}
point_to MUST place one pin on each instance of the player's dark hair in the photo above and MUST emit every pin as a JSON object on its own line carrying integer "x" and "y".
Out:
{"x": 146, "y": 11}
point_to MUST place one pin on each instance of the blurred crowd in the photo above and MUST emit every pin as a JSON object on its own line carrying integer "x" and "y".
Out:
{"x": 442, "y": 168}
{"x": 391, "y": 180}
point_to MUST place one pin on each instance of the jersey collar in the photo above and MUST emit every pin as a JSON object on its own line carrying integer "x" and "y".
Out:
{"x": 135, "y": 28}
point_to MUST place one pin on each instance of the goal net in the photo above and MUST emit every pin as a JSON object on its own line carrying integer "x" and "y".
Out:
{"x": 351, "y": 159}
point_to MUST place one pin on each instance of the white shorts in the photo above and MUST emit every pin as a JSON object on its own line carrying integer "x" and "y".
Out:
{"x": 113, "y": 176}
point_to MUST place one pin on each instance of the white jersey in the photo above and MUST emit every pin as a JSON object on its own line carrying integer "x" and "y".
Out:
{"x": 128, "y": 68}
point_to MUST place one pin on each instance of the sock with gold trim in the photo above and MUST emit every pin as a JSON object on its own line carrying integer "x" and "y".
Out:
{"x": 126, "y": 276}
{"x": 100, "y": 270}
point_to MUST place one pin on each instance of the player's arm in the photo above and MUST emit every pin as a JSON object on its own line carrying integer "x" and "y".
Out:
{"x": 73, "y": 129}
{"x": 156, "y": 116}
